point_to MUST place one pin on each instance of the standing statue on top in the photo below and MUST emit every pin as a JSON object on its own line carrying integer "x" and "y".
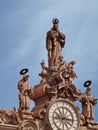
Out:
{"x": 24, "y": 91}
{"x": 23, "y": 88}
{"x": 88, "y": 102}
{"x": 55, "y": 41}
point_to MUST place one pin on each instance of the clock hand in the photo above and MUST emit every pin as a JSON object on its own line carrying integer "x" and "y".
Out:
{"x": 63, "y": 118}
{"x": 59, "y": 117}
{"x": 67, "y": 119}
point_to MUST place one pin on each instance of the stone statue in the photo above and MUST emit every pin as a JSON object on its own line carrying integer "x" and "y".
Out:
{"x": 55, "y": 41}
{"x": 9, "y": 117}
{"x": 88, "y": 103}
{"x": 71, "y": 73}
{"x": 24, "y": 89}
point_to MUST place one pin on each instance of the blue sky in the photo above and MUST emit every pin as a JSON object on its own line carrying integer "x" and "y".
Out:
{"x": 23, "y": 28}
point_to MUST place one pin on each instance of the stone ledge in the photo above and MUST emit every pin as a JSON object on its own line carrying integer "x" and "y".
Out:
{"x": 8, "y": 127}
{"x": 85, "y": 128}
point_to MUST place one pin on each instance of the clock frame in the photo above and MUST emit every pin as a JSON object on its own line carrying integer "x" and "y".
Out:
{"x": 62, "y": 115}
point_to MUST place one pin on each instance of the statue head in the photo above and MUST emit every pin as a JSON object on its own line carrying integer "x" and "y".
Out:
{"x": 25, "y": 77}
{"x": 88, "y": 90}
{"x": 55, "y": 23}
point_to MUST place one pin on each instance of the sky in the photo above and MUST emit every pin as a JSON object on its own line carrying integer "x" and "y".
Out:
{"x": 23, "y": 28}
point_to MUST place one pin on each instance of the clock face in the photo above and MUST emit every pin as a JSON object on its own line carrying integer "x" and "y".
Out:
{"x": 62, "y": 115}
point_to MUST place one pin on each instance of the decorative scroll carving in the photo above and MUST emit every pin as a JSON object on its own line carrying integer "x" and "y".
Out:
{"x": 28, "y": 125}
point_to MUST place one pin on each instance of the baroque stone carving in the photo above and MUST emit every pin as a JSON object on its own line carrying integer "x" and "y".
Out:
{"x": 55, "y": 41}
{"x": 28, "y": 125}
{"x": 24, "y": 92}
{"x": 54, "y": 96}
{"x": 9, "y": 117}
{"x": 88, "y": 102}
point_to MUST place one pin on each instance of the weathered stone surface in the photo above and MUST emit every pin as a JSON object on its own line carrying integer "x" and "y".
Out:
{"x": 54, "y": 96}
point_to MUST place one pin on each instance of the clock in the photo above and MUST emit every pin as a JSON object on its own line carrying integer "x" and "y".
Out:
{"x": 62, "y": 115}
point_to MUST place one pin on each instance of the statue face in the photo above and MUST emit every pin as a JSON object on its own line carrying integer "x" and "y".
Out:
{"x": 88, "y": 89}
{"x": 26, "y": 77}
{"x": 55, "y": 26}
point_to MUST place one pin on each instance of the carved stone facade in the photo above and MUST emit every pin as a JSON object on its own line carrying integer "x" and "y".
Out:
{"x": 54, "y": 96}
